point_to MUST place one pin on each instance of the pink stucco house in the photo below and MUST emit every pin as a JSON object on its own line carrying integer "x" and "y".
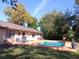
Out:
{"x": 8, "y": 30}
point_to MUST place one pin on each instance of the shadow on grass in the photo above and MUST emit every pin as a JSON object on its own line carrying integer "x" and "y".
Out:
{"x": 29, "y": 52}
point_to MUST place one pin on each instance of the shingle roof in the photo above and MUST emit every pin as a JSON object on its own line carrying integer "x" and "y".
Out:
{"x": 16, "y": 27}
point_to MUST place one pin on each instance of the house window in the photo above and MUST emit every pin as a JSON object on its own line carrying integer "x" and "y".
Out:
{"x": 24, "y": 39}
{"x": 18, "y": 40}
{"x": 10, "y": 33}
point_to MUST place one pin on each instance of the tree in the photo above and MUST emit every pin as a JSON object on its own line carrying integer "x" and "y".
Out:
{"x": 11, "y": 2}
{"x": 73, "y": 22}
{"x": 19, "y": 15}
{"x": 53, "y": 25}
{"x": 76, "y": 1}
{"x": 34, "y": 24}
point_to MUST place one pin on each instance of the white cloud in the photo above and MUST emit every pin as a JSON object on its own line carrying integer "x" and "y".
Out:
{"x": 40, "y": 6}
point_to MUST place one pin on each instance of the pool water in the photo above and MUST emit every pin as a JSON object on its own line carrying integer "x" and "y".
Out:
{"x": 58, "y": 44}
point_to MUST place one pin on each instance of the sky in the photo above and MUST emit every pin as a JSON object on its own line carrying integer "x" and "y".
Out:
{"x": 38, "y": 8}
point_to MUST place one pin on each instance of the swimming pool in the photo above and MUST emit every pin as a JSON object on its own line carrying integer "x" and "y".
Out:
{"x": 52, "y": 43}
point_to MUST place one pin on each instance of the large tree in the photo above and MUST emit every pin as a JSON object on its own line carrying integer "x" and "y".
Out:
{"x": 53, "y": 25}
{"x": 19, "y": 15}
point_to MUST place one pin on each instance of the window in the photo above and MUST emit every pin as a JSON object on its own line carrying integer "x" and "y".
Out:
{"x": 24, "y": 39}
{"x": 18, "y": 40}
{"x": 10, "y": 33}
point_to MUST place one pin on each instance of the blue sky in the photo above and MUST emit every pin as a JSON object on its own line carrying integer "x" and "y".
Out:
{"x": 38, "y": 8}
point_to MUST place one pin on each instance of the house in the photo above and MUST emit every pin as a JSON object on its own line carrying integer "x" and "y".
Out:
{"x": 9, "y": 30}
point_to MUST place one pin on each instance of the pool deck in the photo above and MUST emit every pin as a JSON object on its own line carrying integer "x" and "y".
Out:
{"x": 67, "y": 46}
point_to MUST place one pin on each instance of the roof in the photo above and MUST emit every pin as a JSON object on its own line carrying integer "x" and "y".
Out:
{"x": 12, "y": 26}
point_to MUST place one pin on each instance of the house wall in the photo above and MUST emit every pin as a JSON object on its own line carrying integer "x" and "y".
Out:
{"x": 2, "y": 35}
{"x": 5, "y": 34}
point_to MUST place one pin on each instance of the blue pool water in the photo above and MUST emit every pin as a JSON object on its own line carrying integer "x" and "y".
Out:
{"x": 58, "y": 44}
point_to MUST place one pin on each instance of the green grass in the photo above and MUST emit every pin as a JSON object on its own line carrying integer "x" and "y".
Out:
{"x": 29, "y": 52}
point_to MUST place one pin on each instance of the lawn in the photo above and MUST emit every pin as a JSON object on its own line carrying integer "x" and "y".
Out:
{"x": 29, "y": 52}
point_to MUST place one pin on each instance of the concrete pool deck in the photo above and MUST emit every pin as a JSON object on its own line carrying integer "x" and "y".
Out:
{"x": 67, "y": 47}
{"x": 35, "y": 43}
